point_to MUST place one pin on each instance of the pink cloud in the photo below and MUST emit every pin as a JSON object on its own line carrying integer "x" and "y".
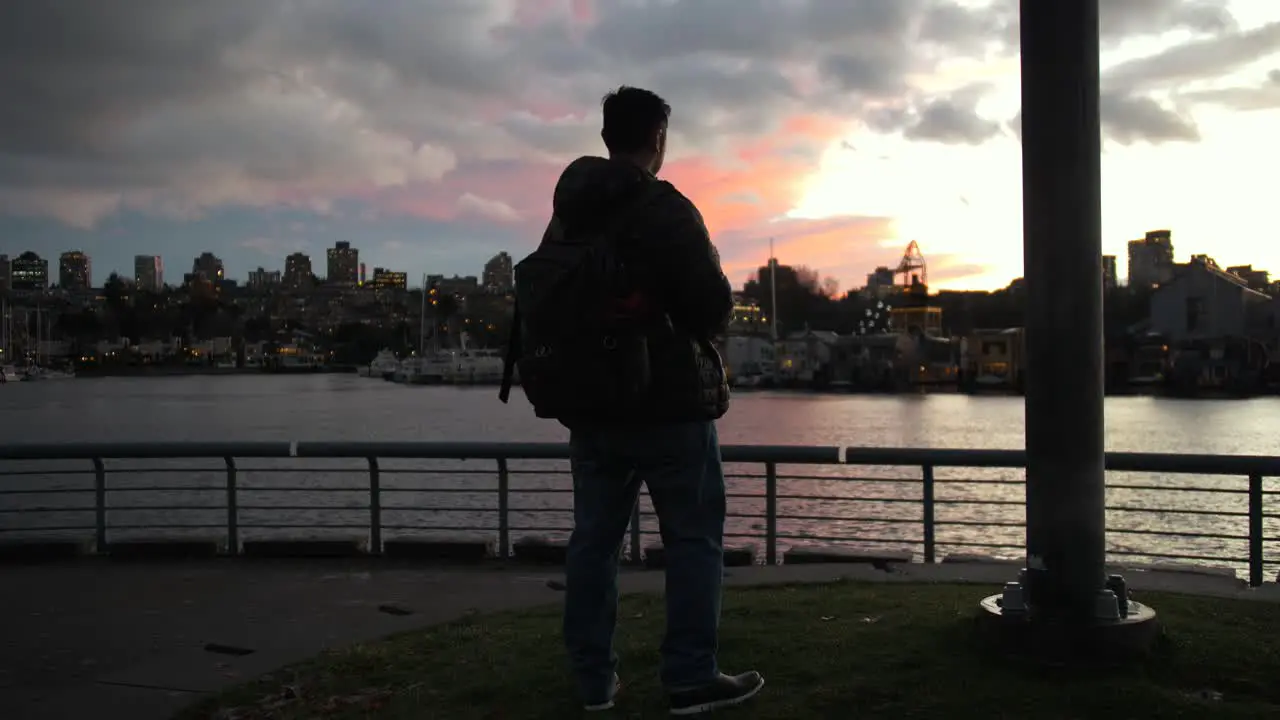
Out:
{"x": 744, "y": 195}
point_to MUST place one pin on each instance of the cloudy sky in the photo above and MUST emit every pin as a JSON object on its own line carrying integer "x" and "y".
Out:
{"x": 429, "y": 132}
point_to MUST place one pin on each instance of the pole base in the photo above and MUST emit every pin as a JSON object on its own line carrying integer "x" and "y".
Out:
{"x": 1103, "y": 642}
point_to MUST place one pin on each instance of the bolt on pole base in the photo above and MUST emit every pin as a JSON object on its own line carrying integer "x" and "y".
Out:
{"x": 1121, "y": 630}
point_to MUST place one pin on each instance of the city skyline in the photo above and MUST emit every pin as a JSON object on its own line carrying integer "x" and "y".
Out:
{"x": 1151, "y": 261}
{"x": 430, "y": 137}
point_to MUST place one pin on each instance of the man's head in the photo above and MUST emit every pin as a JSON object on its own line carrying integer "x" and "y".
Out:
{"x": 635, "y": 126}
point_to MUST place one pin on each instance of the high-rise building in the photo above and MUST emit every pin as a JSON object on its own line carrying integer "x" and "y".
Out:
{"x": 4, "y": 273}
{"x": 498, "y": 274}
{"x": 1151, "y": 259}
{"x": 29, "y": 272}
{"x": 1110, "y": 278}
{"x": 361, "y": 274}
{"x": 74, "y": 271}
{"x": 148, "y": 273}
{"x": 261, "y": 280}
{"x": 344, "y": 265}
{"x": 207, "y": 267}
{"x": 297, "y": 271}
{"x": 384, "y": 279}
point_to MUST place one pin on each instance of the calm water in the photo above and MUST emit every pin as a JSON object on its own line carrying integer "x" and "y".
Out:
{"x": 344, "y": 407}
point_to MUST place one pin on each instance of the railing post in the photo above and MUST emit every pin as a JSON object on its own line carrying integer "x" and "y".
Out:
{"x": 375, "y": 508}
{"x": 504, "y": 509}
{"x": 930, "y": 536}
{"x": 100, "y": 505}
{"x": 770, "y": 513}
{"x": 233, "y": 513}
{"x": 635, "y": 532}
{"x": 1256, "y": 567}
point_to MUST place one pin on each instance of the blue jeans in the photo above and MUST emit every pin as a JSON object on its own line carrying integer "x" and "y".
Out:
{"x": 680, "y": 464}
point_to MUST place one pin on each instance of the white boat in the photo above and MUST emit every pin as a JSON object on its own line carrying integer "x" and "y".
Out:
{"x": 476, "y": 367}
{"x": 430, "y": 369}
{"x": 404, "y": 370}
{"x": 384, "y": 365}
{"x": 35, "y": 372}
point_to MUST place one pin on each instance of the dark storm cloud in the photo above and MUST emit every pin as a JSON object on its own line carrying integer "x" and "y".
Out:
{"x": 1263, "y": 96}
{"x": 1196, "y": 60}
{"x": 1144, "y": 99}
{"x": 953, "y": 120}
{"x": 174, "y": 107}
{"x": 1128, "y": 120}
{"x": 1138, "y": 103}
{"x": 1117, "y": 19}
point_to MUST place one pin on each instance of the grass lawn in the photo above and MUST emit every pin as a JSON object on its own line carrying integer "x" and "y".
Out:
{"x": 845, "y": 650}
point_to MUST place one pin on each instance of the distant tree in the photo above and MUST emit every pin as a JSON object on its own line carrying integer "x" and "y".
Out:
{"x": 831, "y": 288}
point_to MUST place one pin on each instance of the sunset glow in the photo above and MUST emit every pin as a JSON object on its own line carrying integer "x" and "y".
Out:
{"x": 430, "y": 134}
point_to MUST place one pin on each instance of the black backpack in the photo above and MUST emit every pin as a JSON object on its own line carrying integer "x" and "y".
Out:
{"x": 579, "y": 337}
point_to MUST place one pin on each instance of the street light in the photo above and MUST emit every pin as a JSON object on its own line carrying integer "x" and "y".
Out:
{"x": 1063, "y": 605}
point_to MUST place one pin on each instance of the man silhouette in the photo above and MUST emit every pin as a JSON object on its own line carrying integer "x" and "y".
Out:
{"x": 646, "y": 414}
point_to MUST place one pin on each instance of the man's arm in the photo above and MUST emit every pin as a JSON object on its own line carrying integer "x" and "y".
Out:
{"x": 698, "y": 296}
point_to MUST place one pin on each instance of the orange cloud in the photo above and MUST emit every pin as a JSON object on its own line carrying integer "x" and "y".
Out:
{"x": 761, "y": 179}
{"x": 744, "y": 195}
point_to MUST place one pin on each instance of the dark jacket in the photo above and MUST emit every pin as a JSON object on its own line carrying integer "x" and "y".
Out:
{"x": 669, "y": 249}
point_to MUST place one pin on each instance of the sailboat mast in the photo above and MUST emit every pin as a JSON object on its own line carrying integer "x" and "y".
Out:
{"x": 422, "y": 320}
{"x": 773, "y": 290}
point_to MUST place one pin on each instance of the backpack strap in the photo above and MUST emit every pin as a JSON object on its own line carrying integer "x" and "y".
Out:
{"x": 514, "y": 348}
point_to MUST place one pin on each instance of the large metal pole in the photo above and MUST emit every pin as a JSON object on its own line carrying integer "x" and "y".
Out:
{"x": 1062, "y": 255}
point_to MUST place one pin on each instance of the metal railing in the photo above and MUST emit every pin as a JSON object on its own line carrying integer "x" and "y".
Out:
{"x": 1226, "y": 509}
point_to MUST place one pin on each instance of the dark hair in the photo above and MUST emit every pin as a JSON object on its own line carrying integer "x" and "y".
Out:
{"x": 631, "y": 116}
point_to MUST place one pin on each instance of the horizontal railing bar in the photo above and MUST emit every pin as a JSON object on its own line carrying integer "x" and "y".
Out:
{"x": 979, "y": 523}
{"x": 357, "y": 508}
{"x": 1177, "y": 556}
{"x": 42, "y": 509}
{"x": 49, "y": 491}
{"x": 975, "y": 544}
{"x": 1174, "y": 511}
{"x": 1197, "y": 488}
{"x": 831, "y": 498}
{"x": 1177, "y": 534}
{"x": 276, "y": 526}
{"x": 22, "y": 473}
{"x": 1202, "y": 464}
{"x": 480, "y": 528}
{"x": 795, "y": 454}
{"x": 168, "y": 488}
{"x": 183, "y": 526}
{"x": 160, "y": 450}
{"x": 48, "y": 528}
{"x": 840, "y": 538}
{"x": 829, "y": 518}
{"x": 850, "y": 479}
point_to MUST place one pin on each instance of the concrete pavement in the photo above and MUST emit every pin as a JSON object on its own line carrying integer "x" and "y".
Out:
{"x": 102, "y": 639}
